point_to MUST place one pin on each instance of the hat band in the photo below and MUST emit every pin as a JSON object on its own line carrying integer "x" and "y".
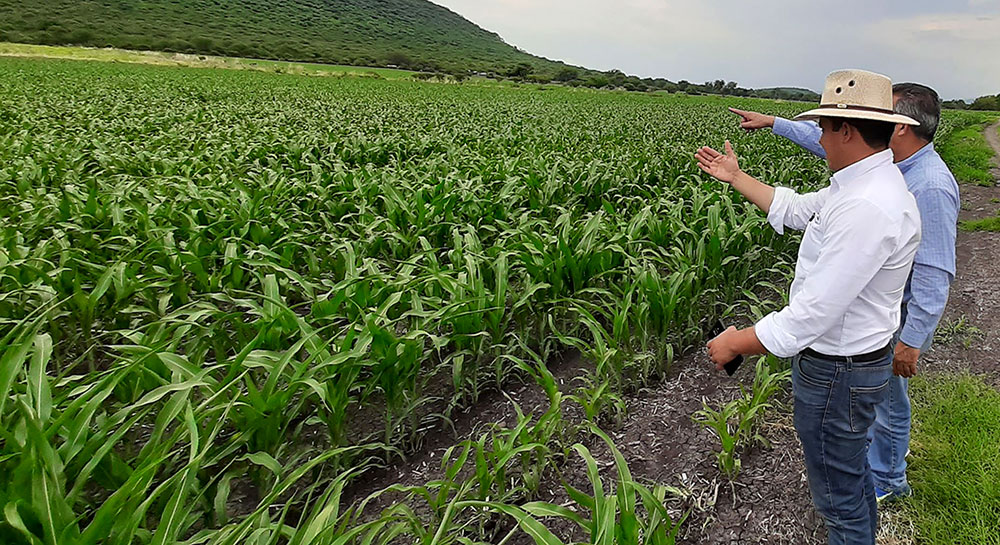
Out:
{"x": 860, "y": 108}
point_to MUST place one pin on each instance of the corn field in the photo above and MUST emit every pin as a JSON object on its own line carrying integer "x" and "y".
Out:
{"x": 220, "y": 285}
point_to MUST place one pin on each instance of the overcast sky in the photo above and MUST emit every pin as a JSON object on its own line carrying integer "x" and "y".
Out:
{"x": 951, "y": 45}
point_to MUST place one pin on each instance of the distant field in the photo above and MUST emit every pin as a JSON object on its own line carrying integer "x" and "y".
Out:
{"x": 193, "y": 61}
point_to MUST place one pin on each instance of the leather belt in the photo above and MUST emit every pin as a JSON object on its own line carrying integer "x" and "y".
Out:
{"x": 872, "y": 356}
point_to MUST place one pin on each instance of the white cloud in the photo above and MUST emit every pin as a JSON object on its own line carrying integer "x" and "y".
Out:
{"x": 952, "y": 46}
{"x": 959, "y": 54}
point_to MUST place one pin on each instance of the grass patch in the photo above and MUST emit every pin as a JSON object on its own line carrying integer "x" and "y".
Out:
{"x": 985, "y": 224}
{"x": 957, "y": 330}
{"x": 968, "y": 155}
{"x": 955, "y": 467}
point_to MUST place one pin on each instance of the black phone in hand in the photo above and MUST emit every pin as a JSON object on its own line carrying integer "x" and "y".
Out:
{"x": 733, "y": 364}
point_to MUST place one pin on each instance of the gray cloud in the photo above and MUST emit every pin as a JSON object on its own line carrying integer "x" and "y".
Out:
{"x": 952, "y": 46}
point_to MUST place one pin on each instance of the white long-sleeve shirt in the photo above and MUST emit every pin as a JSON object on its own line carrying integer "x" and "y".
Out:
{"x": 937, "y": 194}
{"x": 861, "y": 234}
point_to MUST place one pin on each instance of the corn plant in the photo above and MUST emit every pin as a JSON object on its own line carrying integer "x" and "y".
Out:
{"x": 720, "y": 422}
{"x": 599, "y": 401}
{"x": 241, "y": 274}
{"x": 737, "y": 422}
{"x": 630, "y": 512}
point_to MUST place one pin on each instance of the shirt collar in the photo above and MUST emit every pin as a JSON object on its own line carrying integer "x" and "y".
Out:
{"x": 907, "y": 164}
{"x": 851, "y": 172}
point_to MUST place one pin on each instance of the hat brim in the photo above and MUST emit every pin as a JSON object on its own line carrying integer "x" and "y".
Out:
{"x": 813, "y": 115}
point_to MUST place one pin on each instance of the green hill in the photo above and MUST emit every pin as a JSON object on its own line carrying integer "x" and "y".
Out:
{"x": 413, "y": 34}
{"x": 788, "y": 93}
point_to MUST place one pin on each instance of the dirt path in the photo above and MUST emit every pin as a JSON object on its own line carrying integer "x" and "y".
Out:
{"x": 993, "y": 138}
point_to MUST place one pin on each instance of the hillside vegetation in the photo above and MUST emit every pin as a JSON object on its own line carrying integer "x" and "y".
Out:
{"x": 409, "y": 34}
{"x": 413, "y": 34}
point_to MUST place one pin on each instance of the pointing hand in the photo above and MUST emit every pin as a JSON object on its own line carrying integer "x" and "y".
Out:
{"x": 752, "y": 121}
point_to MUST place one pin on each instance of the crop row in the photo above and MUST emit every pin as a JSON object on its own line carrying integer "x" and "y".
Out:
{"x": 209, "y": 279}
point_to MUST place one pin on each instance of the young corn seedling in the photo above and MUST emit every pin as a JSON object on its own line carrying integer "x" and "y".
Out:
{"x": 629, "y": 513}
{"x": 737, "y": 423}
{"x": 756, "y": 402}
{"x": 598, "y": 401}
{"x": 720, "y": 422}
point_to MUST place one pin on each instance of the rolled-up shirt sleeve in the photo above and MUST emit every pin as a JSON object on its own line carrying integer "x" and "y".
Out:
{"x": 929, "y": 287}
{"x": 849, "y": 259}
{"x": 804, "y": 133}
{"x": 789, "y": 209}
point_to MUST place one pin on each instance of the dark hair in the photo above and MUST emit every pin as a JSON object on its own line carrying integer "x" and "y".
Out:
{"x": 922, "y": 104}
{"x": 875, "y": 133}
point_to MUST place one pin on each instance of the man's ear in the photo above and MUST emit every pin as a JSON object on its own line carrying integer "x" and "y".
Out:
{"x": 901, "y": 129}
{"x": 847, "y": 131}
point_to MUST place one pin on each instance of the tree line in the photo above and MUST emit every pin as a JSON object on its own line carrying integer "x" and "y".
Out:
{"x": 985, "y": 102}
{"x": 613, "y": 79}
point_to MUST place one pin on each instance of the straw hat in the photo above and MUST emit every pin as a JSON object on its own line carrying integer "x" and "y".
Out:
{"x": 857, "y": 94}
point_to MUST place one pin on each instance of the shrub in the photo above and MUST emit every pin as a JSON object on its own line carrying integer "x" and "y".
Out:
{"x": 81, "y": 36}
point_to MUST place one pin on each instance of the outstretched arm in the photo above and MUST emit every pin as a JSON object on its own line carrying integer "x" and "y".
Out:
{"x": 784, "y": 207}
{"x": 804, "y": 133}
{"x": 727, "y": 169}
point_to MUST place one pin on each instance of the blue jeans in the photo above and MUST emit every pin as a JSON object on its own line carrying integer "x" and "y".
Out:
{"x": 889, "y": 436}
{"x": 834, "y": 408}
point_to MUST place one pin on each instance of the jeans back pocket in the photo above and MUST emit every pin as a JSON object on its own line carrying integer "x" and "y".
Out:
{"x": 863, "y": 401}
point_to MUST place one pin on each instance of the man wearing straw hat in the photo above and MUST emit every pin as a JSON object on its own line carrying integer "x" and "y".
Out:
{"x": 861, "y": 235}
{"x": 926, "y": 294}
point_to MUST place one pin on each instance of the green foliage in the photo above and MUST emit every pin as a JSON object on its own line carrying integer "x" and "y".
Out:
{"x": 963, "y": 147}
{"x": 955, "y": 466}
{"x": 986, "y": 103}
{"x": 567, "y": 74}
{"x": 737, "y": 423}
{"x": 599, "y": 401}
{"x": 955, "y": 104}
{"x": 726, "y": 427}
{"x": 208, "y": 275}
{"x": 986, "y": 224}
{"x": 521, "y": 71}
{"x": 411, "y": 34}
{"x": 957, "y": 330}
{"x": 787, "y": 93}
{"x": 629, "y": 512}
